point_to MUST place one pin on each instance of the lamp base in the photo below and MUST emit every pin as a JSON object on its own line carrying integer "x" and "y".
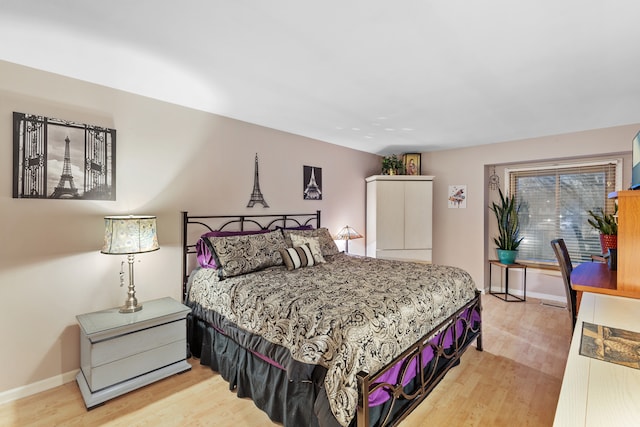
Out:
{"x": 131, "y": 303}
{"x": 130, "y": 308}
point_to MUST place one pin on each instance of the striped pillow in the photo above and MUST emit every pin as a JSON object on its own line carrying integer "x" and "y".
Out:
{"x": 297, "y": 257}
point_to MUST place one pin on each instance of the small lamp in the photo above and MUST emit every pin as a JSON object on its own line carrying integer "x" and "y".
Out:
{"x": 130, "y": 235}
{"x": 347, "y": 233}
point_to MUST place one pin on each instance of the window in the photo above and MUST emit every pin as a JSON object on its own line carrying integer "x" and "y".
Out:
{"x": 554, "y": 201}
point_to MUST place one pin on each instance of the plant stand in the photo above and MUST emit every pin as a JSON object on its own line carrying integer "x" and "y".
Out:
{"x": 504, "y": 280}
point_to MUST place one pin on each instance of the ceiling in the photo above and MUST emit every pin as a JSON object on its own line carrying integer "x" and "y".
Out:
{"x": 374, "y": 75}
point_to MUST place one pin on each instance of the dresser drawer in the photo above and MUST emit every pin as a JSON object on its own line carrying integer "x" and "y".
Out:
{"x": 116, "y": 359}
{"x": 123, "y": 346}
{"x": 120, "y": 370}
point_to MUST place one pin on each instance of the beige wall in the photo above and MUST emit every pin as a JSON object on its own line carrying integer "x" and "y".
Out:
{"x": 461, "y": 236}
{"x": 169, "y": 159}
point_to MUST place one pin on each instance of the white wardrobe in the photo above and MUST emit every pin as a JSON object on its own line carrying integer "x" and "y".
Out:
{"x": 399, "y": 217}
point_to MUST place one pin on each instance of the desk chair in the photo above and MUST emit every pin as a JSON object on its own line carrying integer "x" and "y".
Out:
{"x": 564, "y": 261}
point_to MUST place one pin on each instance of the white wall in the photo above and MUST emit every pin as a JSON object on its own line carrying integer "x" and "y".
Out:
{"x": 461, "y": 235}
{"x": 169, "y": 159}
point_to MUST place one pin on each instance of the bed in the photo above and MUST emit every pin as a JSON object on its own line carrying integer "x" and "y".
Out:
{"x": 314, "y": 336}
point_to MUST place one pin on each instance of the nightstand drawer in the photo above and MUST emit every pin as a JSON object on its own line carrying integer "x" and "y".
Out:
{"x": 123, "y": 346}
{"x": 137, "y": 364}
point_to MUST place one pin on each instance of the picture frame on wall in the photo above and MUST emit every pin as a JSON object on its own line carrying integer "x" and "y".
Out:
{"x": 411, "y": 162}
{"x": 312, "y": 183}
{"x": 62, "y": 159}
{"x": 457, "y": 197}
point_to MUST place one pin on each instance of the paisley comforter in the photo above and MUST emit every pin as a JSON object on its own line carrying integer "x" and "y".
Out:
{"x": 347, "y": 315}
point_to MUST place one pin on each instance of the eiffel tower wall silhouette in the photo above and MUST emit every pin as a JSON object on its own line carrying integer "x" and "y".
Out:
{"x": 256, "y": 194}
{"x": 61, "y": 159}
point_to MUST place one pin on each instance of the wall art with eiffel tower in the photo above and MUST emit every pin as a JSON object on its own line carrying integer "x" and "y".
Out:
{"x": 61, "y": 159}
{"x": 312, "y": 183}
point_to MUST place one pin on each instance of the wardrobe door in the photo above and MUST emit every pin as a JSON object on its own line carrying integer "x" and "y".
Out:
{"x": 390, "y": 215}
{"x": 418, "y": 208}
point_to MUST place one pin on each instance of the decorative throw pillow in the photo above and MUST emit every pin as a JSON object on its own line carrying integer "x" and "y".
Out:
{"x": 204, "y": 251}
{"x": 312, "y": 242}
{"x": 327, "y": 245}
{"x": 297, "y": 257}
{"x": 244, "y": 254}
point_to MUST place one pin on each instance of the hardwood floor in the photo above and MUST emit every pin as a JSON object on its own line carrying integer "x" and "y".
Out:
{"x": 514, "y": 381}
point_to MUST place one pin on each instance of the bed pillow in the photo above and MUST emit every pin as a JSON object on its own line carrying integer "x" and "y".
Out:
{"x": 297, "y": 257}
{"x": 204, "y": 251}
{"x": 327, "y": 245}
{"x": 244, "y": 254}
{"x": 312, "y": 242}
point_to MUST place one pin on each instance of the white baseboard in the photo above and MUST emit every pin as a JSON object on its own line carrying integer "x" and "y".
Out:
{"x": 37, "y": 387}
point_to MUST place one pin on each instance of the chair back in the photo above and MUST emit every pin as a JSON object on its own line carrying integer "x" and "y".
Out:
{"x": 564, "y": 261}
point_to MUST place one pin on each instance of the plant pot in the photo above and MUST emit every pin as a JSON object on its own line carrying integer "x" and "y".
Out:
{"x": 608, "y": 241}
{"x": 506, "y": 257}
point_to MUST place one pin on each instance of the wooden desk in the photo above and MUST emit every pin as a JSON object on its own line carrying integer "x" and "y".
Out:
{"x": 596, "y": 277}
{"x": 596, "y": 393}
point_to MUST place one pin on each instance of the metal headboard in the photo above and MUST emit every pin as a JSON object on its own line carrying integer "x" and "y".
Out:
{"x": 194, "y": 226}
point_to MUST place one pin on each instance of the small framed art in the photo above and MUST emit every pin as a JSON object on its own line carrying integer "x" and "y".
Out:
{"x": 457, "y": 196}
{"x": 411, "y": 163}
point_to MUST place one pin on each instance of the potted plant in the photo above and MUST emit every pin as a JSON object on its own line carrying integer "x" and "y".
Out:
{"x": 607, "y": 226}
{"x": 392, "y": 165}
{"x": 508, "y": 240}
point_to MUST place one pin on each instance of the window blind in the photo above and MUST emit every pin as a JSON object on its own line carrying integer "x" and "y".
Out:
{"x": 554, "y": 201}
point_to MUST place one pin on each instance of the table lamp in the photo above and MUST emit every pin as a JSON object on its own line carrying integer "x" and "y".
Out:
{"x": 347, "y": 233}
{"x": 130, "y": 235}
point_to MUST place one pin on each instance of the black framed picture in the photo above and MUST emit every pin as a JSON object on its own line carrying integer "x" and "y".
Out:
{"x": 61, "y": 159}
{"x": 312, "y": 183}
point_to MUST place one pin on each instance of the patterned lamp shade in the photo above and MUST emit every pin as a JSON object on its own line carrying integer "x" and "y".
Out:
{"x": 133, "y": 234}
{"x": 348, "y": 233}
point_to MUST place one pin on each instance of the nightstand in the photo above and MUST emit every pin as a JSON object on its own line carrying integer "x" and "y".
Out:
{"x": 120, "y": 352}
